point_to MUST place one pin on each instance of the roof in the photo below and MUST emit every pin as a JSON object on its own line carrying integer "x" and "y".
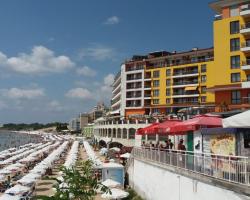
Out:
{"x": 218, "y": 5}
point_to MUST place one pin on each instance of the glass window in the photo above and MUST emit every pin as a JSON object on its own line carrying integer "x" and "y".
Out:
{"x": 168, "y": 92}
{"x": 203, "y": 99}
{"x": 168, "y": 72}
{"x": 235, "y": 77}
{"x": 167, "y": 101}
{"x": 234, "y": 11}
{"x": 203, "y": 89}
{"x": 236, "y": 97}
{"x": 155, "y": 110}
{"x": 156, "y": 74}
{"x": 248, "y": 97}
{"x": 235, "y": 44}
{"x": 156, "y": 93}
{"x": 156, "y": 83}
{"x": 203, "y": 68}
{"x": 168, "y": 82}
{"x": 248, "y": 77}
{"x": 234, "y": 27}
{"x": 203, "y": 78}
{"x": 235, "y": 62}
{"x": 155, "y": 101}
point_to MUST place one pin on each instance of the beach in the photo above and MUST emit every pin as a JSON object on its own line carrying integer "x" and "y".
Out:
{"x": 11, "y": 139}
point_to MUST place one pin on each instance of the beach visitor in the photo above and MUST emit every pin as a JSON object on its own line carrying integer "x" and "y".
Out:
{"x": 181, "y": 146}
{"x": 170, "y": 143}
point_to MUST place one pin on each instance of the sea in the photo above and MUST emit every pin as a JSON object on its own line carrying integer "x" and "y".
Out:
{"x": 9, "y": 139}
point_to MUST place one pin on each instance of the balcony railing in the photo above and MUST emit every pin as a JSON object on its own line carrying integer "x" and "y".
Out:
{"x": 134, "y": 78}
{"x": 245, "y": 44}
{"x": 134, "y": 87}
{"x": 147, "y": 95}
{"x": 186, "y": 102}
{"x": 133, "y": 96}
{"x": 245, "y": 26}
{"x": 245, "y": 7}
{"x": 177, "y": 73}
{"x": 247, "y": 62}
{"x": 185, "y": 82}
{"x": 134, "y": 68}
{"x": 133, "y": 105}
{"x": 235, "y": 169}
{"x": 185, "y": 93}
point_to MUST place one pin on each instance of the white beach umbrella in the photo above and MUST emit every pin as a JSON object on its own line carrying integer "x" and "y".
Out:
{"x": 111, "y": 183}
{"x": 115, "y": 194}
{"x": 115, "y": 149}
{"x": 26, "y": 181}
{"x": 241, "y": 120}
{"x": 125, "y": 155}
{"x": 9, "y": 197}
{"x": 17, "y": 189}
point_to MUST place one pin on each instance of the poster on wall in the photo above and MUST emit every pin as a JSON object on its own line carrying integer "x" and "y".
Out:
{"x": 223, "y": 144}
{"x": 197, "y": 142}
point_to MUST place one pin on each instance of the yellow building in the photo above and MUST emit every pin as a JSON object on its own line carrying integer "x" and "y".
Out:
{"x": 230, "y": 77}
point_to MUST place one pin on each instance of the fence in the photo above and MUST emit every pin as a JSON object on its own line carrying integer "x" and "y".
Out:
{"x": 234, "y": 169}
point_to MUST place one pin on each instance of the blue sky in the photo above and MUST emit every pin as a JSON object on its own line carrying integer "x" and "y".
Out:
{"x": 58, "y": 58}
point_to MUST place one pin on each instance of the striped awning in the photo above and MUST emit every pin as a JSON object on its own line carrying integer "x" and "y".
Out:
{"x": 190, "y": 88}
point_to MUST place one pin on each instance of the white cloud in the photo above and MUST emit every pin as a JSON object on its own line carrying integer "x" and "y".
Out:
{"x": 55, "y": 106}
{"x": 3, "y": 105}
{"x": 18, "y": 93}
{"x": 79, "y": 93}
{"x": 86, "y": 71}
{"x": 112, "y": 20}
{"x": 98, "y": 52}
{"x": 109, "y": 79}
{"x": 40, "y": 60}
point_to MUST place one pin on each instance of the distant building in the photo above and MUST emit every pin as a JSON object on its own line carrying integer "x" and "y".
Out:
{"x": 74, "y": 124}
{"x": 84, "y": 119}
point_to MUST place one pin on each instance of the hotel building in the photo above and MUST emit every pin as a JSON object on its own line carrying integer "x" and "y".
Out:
{"x": 231, "y": 68}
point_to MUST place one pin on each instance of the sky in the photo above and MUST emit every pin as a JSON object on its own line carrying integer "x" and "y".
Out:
{"x": 59, "y": 58}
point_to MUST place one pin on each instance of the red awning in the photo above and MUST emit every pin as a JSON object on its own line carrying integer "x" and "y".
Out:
{"x": 167, "y": 126}
{"x": 201, "y": 121}
{"x": 147, "y": 130}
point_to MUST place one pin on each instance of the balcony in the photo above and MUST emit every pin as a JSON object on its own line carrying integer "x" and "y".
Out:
{"x": 245, "y": 10}
{"x": 147, "y": 96}
{"x": 136, "y": 105}
{"x": 182, "y": 95}
{"x": 133, "y": 96}
{"x": 245, "y": 84}
{"x": 245, "y": 29}
{"x": 245, "y": 47}
{"x": 245, "y": 65}
{"x": 190, "y": 73}
{"x": 180, "y": 84}
{"x": 147, "y": 87}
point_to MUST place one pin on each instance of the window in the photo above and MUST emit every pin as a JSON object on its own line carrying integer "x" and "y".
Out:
{"x": 234, "y": 11}
{"x": 167, "y": 101}
{"x": 203, "y": 99}
{"x": 155, "y": 110}
{"x": 156, "y": 74}
{"x": 235, "y": 77}
{"x": 155, "y": 101}
{"x": 156, "y": 93}
{"x": 168, "y": 72}
{"x": 235, "y": 62}
{"x": 236, "y": 97}
{"x": 168, "y": 82}
{"x": 203, "y": 68}
{"x": 235, "y": 44}
{"x": 203, "y": 89}
{"x": 203, "y": 78}
{"x": 234, "y": 27}
{"x": 248, "y": 77}
{"x": 168, "y": 92}
{"x": 156, "y": 83}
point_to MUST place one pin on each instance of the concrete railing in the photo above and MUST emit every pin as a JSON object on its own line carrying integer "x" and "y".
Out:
{"x": 234, "y": 169}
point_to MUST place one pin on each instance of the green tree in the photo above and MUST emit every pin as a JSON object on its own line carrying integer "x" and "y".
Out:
{"x": 78, "y": 184}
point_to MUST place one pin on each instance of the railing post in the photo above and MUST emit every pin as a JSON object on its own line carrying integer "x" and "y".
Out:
{"x": 203, "y": 163}
{"x": 229, "y": 162}
{"x": 246, "y": 175}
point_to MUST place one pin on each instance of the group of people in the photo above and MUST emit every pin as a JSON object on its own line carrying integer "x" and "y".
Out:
{"x": 168, "y": 145}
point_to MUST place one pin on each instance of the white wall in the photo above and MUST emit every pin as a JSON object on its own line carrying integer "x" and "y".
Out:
{"x": 155, "y": 183}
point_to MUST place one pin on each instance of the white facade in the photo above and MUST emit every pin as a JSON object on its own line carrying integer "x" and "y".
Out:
{"x": 118, "y": 93}
{"x": 161, "y": 184}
